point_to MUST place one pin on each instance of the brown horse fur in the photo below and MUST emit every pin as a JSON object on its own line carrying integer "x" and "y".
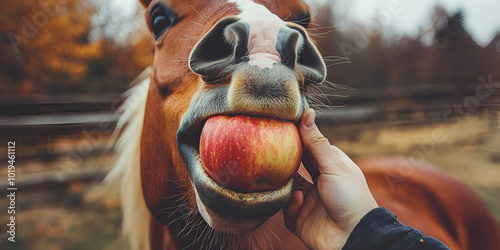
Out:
{"x": 159, "y": 203}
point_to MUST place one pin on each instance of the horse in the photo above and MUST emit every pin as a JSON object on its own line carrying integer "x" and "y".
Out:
{"x": 250, "y": 58}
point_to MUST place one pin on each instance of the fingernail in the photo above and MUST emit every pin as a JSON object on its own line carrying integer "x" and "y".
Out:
{"x": 310, "y": 119}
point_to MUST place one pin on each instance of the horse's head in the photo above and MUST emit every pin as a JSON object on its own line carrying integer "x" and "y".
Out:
{"x": 223, "y": 57}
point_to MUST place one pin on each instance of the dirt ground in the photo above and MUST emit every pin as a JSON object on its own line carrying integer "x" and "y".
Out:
{"x": 87, "y": 215}
{"x": 469, "y": 150}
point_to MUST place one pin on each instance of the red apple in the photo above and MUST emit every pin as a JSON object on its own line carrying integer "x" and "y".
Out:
{"x": 250, "y": 154}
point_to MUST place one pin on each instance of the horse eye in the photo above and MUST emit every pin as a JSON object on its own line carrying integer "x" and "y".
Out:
{"x": 302, "y": 19}
{"x": 162, "y": 18}
{"x": 159, "y": 25}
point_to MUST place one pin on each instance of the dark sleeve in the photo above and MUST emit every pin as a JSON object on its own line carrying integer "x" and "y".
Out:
{"x": 379, "y": 229}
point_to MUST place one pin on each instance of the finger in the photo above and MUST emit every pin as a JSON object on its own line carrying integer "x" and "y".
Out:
{"x": 292, "y": 208}
{"x": 302, "y": 180}
{"x": 318, "y": 153}
{"x": 309, "y": 203}
{"x": 311, "y": 165}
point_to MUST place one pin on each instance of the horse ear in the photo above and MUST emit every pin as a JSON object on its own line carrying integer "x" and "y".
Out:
{"x": 145, "y": 3}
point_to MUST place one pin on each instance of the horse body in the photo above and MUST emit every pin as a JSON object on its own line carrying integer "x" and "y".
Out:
{"x": 430, "y": 200}
{"x": 248, "y": 62}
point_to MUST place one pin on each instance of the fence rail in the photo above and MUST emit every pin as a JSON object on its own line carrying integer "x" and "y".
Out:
{"x": 63, "y": 114}
{"x": 30, "y": 118}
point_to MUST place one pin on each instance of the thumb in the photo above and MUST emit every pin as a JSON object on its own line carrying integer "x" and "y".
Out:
{"x": 317, "y": 149}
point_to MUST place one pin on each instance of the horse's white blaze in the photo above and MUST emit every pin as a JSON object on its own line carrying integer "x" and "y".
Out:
{"x": 263, "y": 34}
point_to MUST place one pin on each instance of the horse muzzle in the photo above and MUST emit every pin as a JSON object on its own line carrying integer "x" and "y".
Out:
{"x": 251, "y": 68}
{"x": 223, "y": 209}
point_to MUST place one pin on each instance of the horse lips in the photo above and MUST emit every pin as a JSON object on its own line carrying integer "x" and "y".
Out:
{"x": 250, "y": 154}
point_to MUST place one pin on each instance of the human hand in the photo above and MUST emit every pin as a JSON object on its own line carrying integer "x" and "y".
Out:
{"x": 325, "y": 216}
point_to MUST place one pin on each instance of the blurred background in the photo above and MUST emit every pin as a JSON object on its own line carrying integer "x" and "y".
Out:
{"x": 399, "y": 73}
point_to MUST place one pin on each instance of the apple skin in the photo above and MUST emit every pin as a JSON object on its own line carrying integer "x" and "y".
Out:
{"x": 248, "y": 153}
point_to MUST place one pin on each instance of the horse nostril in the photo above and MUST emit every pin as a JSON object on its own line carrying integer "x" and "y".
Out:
{"x": 299, "y": 53}
{"x": 288, "y": 45}
{"x": 222, "y": 47}
{"x": 311, "y": 63}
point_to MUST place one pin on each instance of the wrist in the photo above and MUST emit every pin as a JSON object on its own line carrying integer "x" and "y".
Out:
{"x": 335, "y": 235}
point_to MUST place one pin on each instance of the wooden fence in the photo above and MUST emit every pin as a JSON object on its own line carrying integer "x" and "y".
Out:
{"x": 29, "y": 119}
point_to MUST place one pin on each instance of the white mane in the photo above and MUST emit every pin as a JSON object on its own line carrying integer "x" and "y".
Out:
{"x": 126, "y": 171}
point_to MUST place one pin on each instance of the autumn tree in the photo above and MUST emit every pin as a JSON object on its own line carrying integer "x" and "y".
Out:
{"x": 54, "y": 46}
{"x": 43, "y": 42}
{"x": 456, "y": 56}
{"x": 126, "y": 48}
{"x": 491, "y": 59}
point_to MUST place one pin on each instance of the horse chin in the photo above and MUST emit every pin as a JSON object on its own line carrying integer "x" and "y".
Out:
{"x": 229, "y": 225}
{"x": 232, "y": 212}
